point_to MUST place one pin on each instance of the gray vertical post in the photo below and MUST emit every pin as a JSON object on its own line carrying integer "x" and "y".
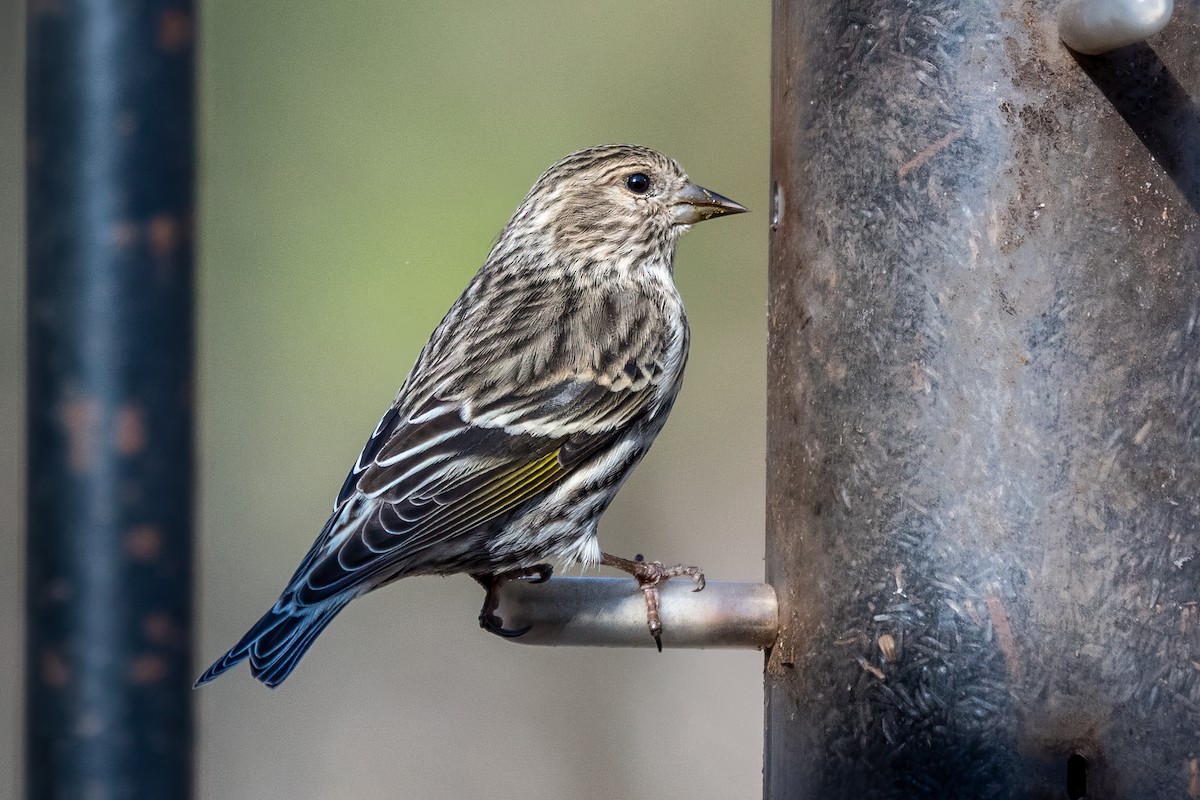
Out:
{"x": 110, "y": 167}
{"x": 984, "y": 418}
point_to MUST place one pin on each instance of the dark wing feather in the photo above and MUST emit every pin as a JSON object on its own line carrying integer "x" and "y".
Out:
{"x": 383, "y": 433}
{"x": 438, "y": 478}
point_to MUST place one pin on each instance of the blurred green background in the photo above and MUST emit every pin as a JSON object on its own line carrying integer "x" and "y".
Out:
{"x": 356, "y": 162}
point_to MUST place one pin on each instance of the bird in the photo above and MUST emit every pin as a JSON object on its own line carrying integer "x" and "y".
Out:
{"x": 535, "y": 397}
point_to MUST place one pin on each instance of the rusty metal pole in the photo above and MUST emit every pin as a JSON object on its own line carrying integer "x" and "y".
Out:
{"x": 984, "y": 416}
{"x": 109, "y": 548}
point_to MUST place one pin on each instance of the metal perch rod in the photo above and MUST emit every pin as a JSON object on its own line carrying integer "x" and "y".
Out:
{"x": 1098, "y": 26}
{"x": 611, "y": 612}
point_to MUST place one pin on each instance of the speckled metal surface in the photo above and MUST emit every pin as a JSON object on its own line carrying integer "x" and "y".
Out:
{"x": 110, "y": 167}
{"x": 984, "y": 483}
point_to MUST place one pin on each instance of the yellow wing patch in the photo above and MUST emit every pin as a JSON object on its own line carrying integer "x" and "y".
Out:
{"x": 500, "y": 495}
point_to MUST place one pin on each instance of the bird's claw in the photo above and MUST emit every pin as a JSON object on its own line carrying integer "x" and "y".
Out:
{"x": 653, "y": 621}
{"x": 487, "y": 614}
{"x": 649, "y": 574}
{"x": 539, "y": 574}
{"x": 492, "y": 624}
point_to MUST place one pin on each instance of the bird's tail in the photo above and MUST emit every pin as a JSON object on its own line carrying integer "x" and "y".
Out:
{"x": 277, "y": 641}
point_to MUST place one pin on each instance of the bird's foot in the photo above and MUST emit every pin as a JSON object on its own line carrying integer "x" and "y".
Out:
{"x": 491, "y": 601}
{"x": 649, "y": 574}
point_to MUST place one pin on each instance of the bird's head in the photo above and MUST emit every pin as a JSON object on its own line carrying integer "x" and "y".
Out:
{"x": 615, "y": 203}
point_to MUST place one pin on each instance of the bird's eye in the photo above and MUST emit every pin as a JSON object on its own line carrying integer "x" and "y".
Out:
{"x": 638, "y": 183}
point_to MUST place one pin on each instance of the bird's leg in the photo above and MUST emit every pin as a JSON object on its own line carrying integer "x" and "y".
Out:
{"x": 649, "y": 574}
{"x": 491, "y": 582}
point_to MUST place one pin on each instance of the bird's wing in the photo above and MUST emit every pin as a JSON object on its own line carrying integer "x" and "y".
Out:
{"x": 452, "y": 468}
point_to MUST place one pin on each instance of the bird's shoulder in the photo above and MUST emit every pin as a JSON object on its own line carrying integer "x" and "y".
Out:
{"x": 541, "y": 333}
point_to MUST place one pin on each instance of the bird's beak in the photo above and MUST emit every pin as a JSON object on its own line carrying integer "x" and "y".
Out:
{"x": 695, "y": 204}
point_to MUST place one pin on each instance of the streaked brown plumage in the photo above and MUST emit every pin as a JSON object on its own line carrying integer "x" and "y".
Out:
{"x": 535, "y": 397}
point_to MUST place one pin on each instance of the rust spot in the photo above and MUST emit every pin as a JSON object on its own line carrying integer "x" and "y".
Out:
{"x": 79, "y": 418}
{"x": 929, "y": 152}
{"x": 143, "y": 543}
{"x": 55, "y": 670}
{"x": 1004, "y": 636}
{"x": 163, "y": 234}
{"x": 1194, "y": 778}
{"x": 131, "y": 430}
{"x": 147, "y": 669}
{"x": 157, "y": 628}
{"x": 174, "y": 30}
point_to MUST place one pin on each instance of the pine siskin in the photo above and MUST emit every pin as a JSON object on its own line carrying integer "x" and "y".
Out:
{"x": 538, "y": 393}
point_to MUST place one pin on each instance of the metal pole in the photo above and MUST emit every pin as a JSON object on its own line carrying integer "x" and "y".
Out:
{"x": 984, "y": 423}
{"x": 611, "y": 612}
{"x": 110, "y": 168}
